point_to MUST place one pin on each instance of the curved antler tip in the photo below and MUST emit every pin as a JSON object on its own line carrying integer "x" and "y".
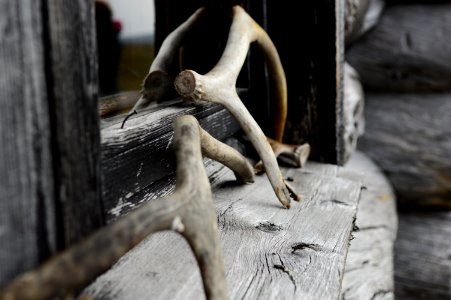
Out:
{"x": 188, "y": 85}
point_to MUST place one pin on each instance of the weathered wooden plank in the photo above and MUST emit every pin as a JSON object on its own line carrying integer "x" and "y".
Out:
{"x": 140, "y": 154}
{"x": 423, "y": 256}
{"x": 369, "y": 272}
{"x": 269, "y": 252}
{"x": 409, "y": 137}
{"x": 27, "y": 232}
{"x": 72, "y": 85}
{"x": 409, "y": 50}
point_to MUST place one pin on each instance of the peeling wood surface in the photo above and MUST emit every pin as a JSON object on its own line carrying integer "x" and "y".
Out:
{"x": 408, "y": 50}
{"x": 369, "y": 272}
{"x": 409, "y": 137}
{"x": 140, "y": 155}
{"x": 423, "y": 256}
{"x": 269, "y": 252}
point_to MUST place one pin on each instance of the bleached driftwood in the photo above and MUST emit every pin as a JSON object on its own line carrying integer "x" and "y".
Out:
{"x": 189, "y": 211}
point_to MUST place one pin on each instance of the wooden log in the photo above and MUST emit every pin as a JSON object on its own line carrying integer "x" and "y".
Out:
{"x": 409, "y": 50}
{"x": 369, "y": 272}
{"x": 353, "y": 111}
{"x": 360, "y": 16}
{"x": 269, "y": 252}
{"x": 423, "y": 257}
{"x": 409, "y": 137}
{"x": 27, "y": 216}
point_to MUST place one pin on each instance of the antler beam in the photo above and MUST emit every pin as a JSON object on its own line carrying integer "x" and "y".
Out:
{"x": 189, "y": 211}
{"x": 158, "y": 82}
{"x": 218, "y": 86}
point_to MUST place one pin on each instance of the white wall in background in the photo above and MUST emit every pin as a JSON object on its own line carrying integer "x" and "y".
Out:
{"x": 137, "y": 17}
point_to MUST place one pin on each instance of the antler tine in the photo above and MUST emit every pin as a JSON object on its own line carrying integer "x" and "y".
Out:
{"x": 218, "y": 86}
{"x": 158, "y": 81}
{"x": 189, "y": 211}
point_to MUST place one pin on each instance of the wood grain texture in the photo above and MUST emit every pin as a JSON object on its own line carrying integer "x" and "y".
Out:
{"x": 409, "y": 137}
{"x": 26, "y": 186}
{"x": 423, "y": 256}
{"x": 369, "y": 272}
{"x": 269, "y": 252}
{"x": 139, "y": 155}
{"x": 409, "y": 50}
{"x": 72, "y": 85}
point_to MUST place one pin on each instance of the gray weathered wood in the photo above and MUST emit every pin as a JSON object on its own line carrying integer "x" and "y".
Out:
{"x": 269, "y": 252}
{"x": 423, "y": 256}
{"x": 26, "y": 185}
{"x": 353, "y": 110}
{"x": 409, "y": 50}
{"x": 409, "y": 137}
{"x": 188, "y": 211}
{"x": 369, "y": 272}
{"x": 137, "y": 156}
{"x": 360, "y": 16}
{"x": 72, "y": 85}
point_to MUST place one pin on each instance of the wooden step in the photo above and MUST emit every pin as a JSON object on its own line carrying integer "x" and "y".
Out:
{"x": 269, "y": 252}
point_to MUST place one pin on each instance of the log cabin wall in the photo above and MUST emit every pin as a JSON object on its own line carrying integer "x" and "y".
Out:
{"x": 405, "y": 66}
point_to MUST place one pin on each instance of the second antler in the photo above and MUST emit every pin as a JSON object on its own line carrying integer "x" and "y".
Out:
{"x": 218, "y": 86}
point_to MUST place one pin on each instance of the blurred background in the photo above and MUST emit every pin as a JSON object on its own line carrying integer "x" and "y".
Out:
{"x": 125, "y": 35}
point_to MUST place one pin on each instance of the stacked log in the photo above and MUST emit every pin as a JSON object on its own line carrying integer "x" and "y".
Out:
{"x": 405, "y": 66}
{"x": 408, "y": 132}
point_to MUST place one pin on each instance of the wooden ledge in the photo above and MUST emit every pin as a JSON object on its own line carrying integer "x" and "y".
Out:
{"x": 269, "y": 252}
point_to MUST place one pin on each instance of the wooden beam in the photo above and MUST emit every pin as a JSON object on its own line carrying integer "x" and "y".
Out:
{"x": 408, "y": 136}
{"x": 27, "y": 217}
{"x": 423, "y": 257}
{"x": 140, "y": 155}
{"x": 72, "y": 85}
{"x": 402, "y": 54}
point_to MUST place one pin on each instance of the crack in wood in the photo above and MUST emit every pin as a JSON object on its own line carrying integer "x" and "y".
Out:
{"x": 335, "y": 201}
{"x": 285, "y": 269}
{"x": 268, "y": 227}
{"x": 303, "y": 246}
{"x": 381, "y": 293}
{"x": 376, "y": 227}
{"x": 250, "y": 284}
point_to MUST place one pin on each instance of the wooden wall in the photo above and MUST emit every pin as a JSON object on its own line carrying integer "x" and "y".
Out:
{"x": 49, "y": 134}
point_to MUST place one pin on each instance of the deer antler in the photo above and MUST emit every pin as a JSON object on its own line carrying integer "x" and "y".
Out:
{"x": 218, "y": 86}
{"x": 189, "y": 211}
{"x": 158, "y": 82}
